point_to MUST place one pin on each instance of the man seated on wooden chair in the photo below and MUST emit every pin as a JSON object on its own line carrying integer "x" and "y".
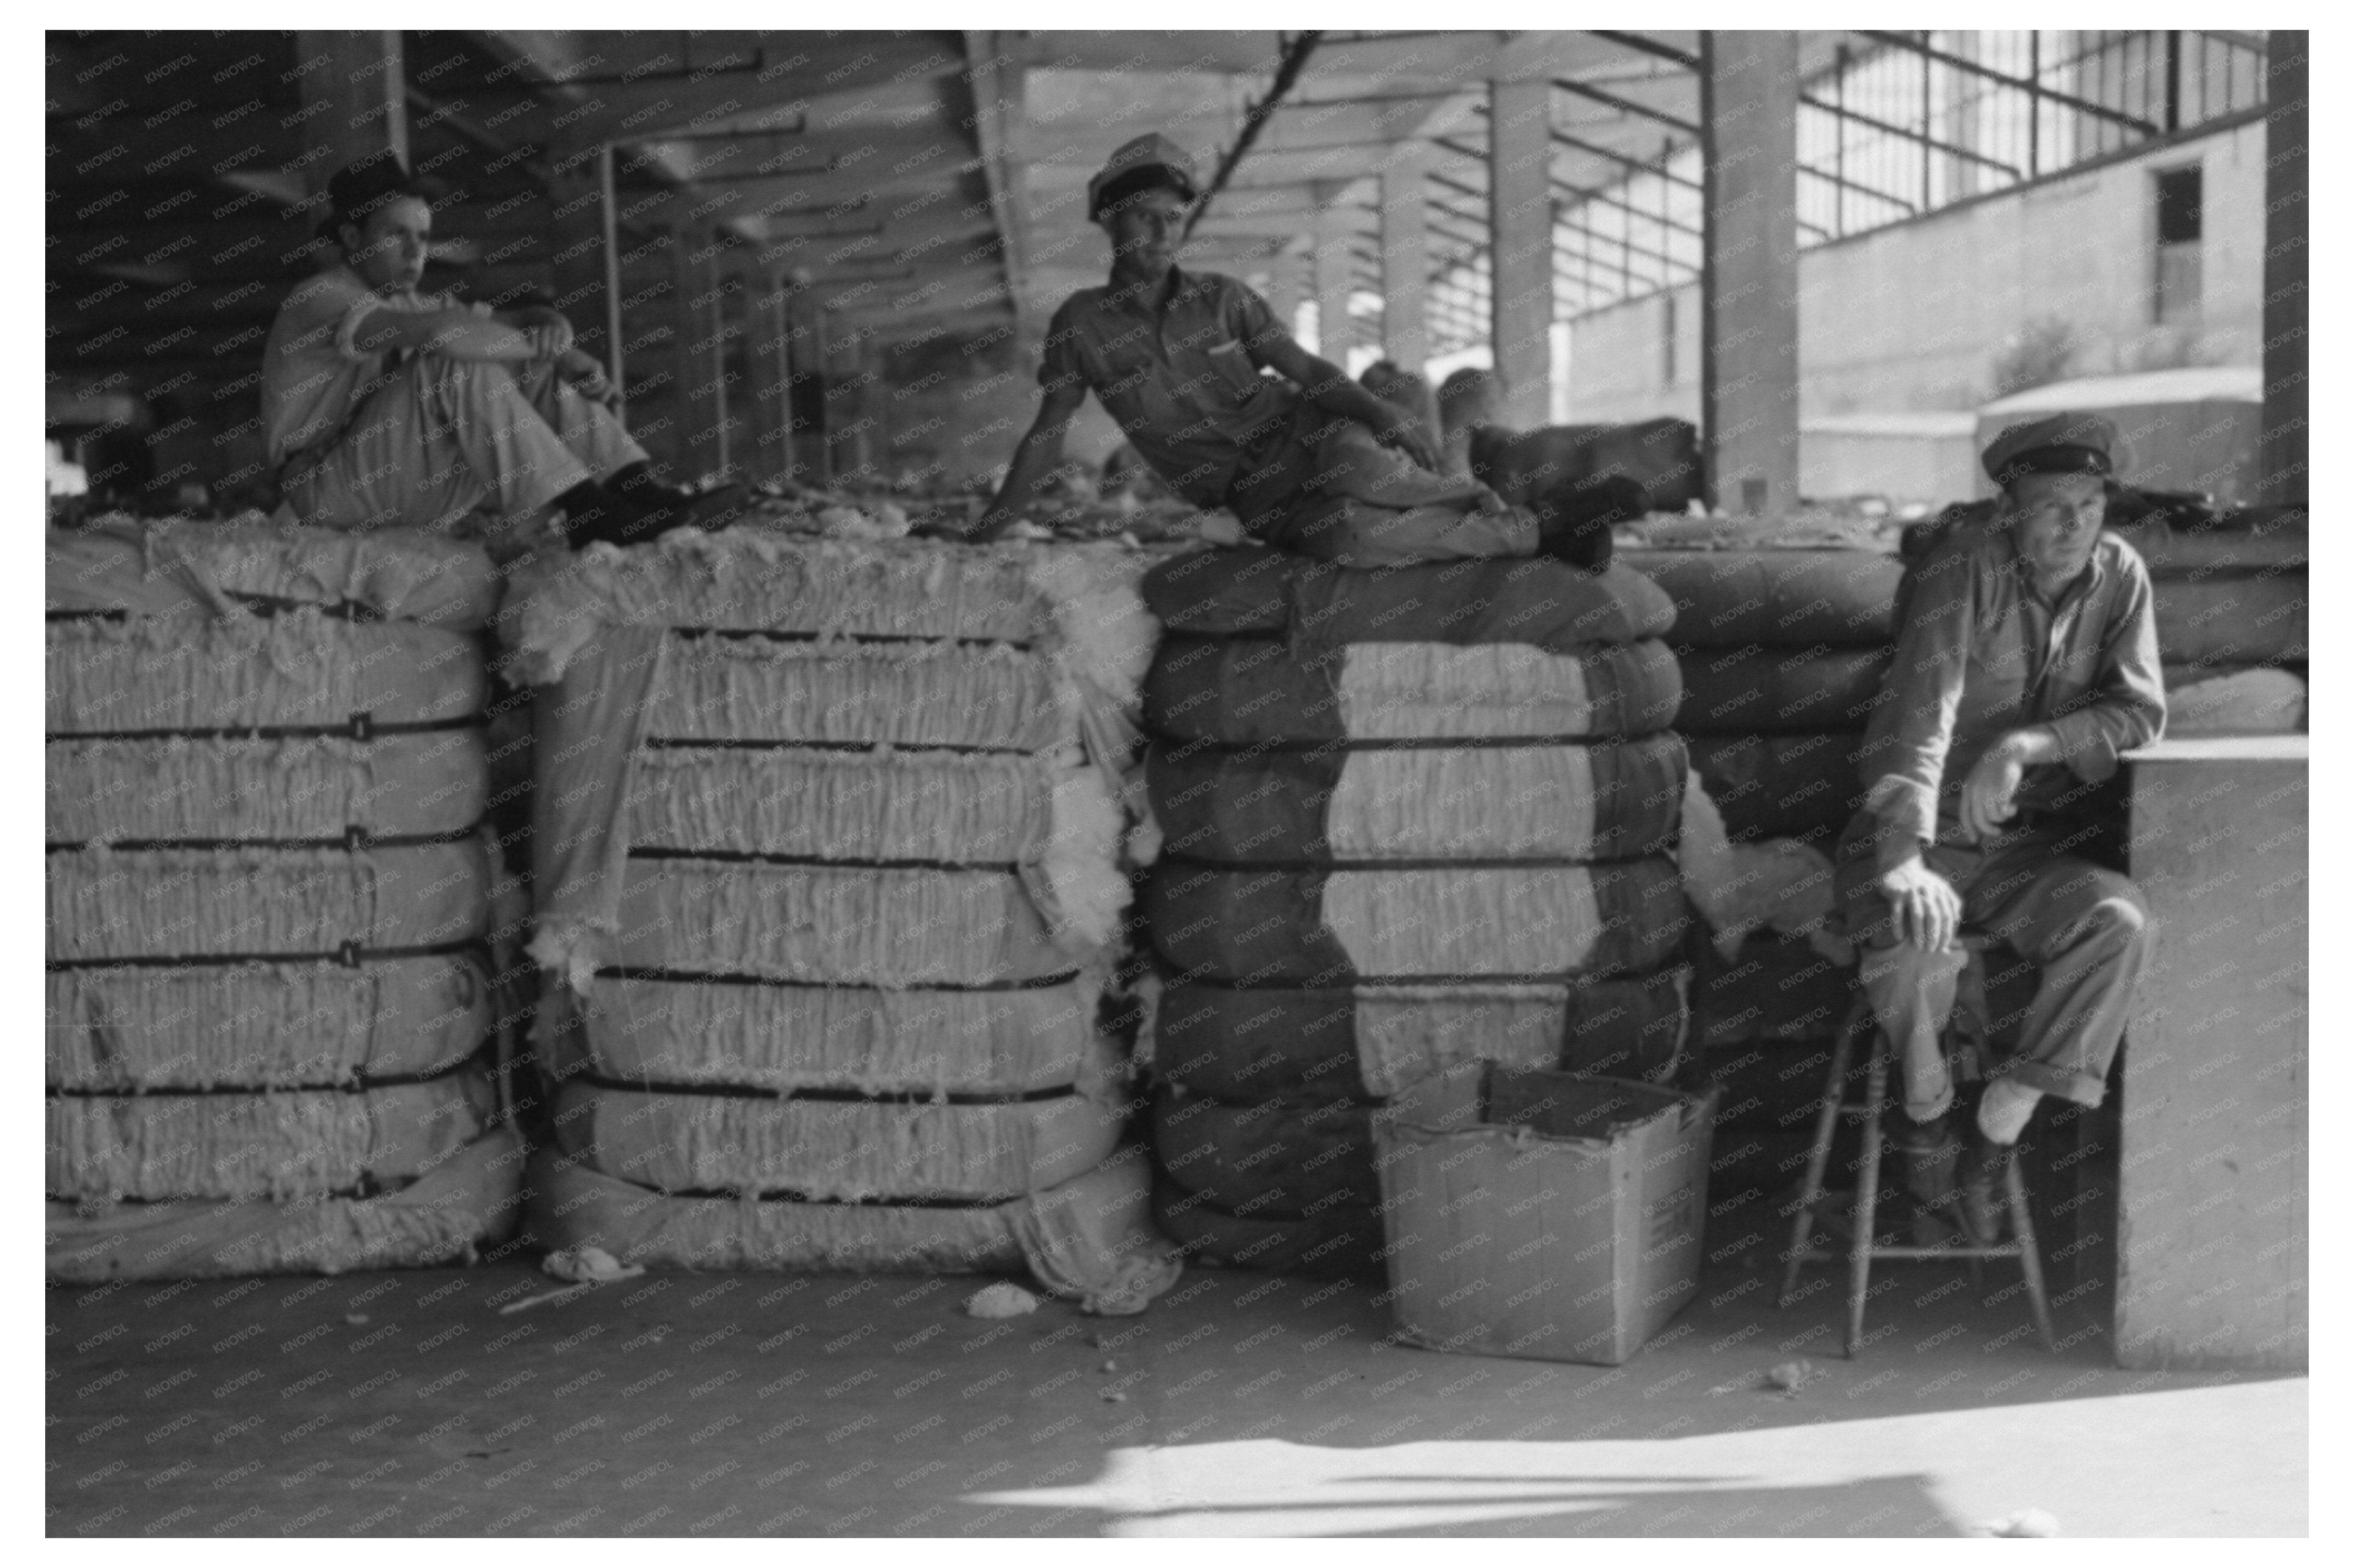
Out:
{"x": 387, "y": 407}
{"x": 2026, "y": 662}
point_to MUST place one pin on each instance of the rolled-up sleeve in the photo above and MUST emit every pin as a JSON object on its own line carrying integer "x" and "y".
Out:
{"x": 1911, "y": 729}
{"x": 1250, "y": 318}
{"x": 361, "y": 307}
{"x": 2126, "y": 707}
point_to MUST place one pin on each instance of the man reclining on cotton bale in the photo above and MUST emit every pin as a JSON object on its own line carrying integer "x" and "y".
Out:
{"x": 1305, "y": 461}
{"x": 389, "y": 407}
{"x": 2026, "y": 662}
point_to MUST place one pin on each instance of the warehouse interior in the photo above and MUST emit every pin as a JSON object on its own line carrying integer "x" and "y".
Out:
{"x": 1054, "y": 973}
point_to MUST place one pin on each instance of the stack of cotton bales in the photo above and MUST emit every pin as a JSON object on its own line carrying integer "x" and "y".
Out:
{"x": 271, "y": 906}
{"x": 829, "y": 857}
{"x": 1410, "y": 817}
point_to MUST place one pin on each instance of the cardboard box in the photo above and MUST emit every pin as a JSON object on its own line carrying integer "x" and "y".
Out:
{"x": 1540, "y": 1213}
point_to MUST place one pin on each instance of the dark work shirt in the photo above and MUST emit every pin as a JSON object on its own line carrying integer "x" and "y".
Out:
{"x": 1982, "y": 653}
{"x": 1177, "y": 373}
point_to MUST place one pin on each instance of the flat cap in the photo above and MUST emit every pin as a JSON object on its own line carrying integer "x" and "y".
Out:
{"x": 2057, "y": 443}
{"x": 1148, "y": 161}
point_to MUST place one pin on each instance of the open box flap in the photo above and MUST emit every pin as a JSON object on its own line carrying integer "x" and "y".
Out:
{"x": 1524, "y": 1103}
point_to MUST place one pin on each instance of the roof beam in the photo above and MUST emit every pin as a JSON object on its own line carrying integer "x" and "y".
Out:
{"x": 1629, "y": 106}
{"x": 1644, "y": 44}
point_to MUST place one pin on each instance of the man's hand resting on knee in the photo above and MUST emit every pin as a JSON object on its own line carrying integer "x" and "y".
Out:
{"x": 1923, "y": 906}
{"x": 582, "y": 373}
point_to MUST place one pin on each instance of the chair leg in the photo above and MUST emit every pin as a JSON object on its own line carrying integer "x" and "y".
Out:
{"x": 2030, "y": 1256}
{"x": 1866, "y": 1228}
{"x": 1818, "y": 1157}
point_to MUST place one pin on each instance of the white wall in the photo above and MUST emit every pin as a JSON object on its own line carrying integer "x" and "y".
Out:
{"x": 1914, "y": 316}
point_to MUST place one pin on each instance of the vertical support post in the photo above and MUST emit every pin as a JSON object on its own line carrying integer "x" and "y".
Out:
{"x": 1333, "y": 336}
{"x": 813, "y": 452}
{"x": 1839, "y": 144}
{"x": 575, "y": 228}
{"x": 2173, "y": 81}
{"x": 1929, "y": 117}
{"x": 1749, "y": 283}
{"x": 688, "y": 454}
{"x": 2284, "y": 446}
{"x": 2034, "y": 101}
{"x": 1962, "y": 117}
{"x": 362, "y": 80}
{"x": 1283, "y": 291}
{"x": 616, "y": 366}
{"x": 715, "y": 372}
{"x": 1406, "y": 258}
{"x": 768, "y": 426}
{"x": 1520, "y": 225}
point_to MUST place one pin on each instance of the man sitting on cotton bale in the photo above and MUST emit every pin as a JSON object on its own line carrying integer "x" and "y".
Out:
{"x": 389, "y": 407}
{"x": 2026, "y": 663}
{"x": 1306, "y": 461}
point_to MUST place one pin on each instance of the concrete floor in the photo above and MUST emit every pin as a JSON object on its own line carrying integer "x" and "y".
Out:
{"x": 729, "y": 1404}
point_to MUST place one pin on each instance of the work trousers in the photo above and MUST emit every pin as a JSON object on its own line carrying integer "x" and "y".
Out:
{"x": 1321, "y": 486}
{"x": 444, "y": 440}
{"x": 2084, "y": 927}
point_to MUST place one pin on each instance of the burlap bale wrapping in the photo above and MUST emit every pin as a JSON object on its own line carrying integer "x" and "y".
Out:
{"x": 1288, "y": 1158}
{"x": 1242, "y": 692}
{"x": 298, "y": 670}
{"x": 1086, "y": 1241}
{"x": 309, "y": 788}
{"x": 1537, "y": 600}
{"x": 470, "y": 1200}
{"x": 1439, "y": 925}
{"x": 991, "y": 697}
{"x": 842, "y": 1149}
{"x": 1776, "y": 597}
{"x": 1779, "y": 691}
{"x": 1607, "y": 801}
{"x": 263, "y": 1025}
{"x": 834, "y": 925}
{"x": 1034, "y": 652}
{"x": 162, "y": 1147}
{"x": 1337, "y": 1242}
{"x": 1368, "y": 1040}
{"x": 109, "y": 904}
{"x": 151, "y": 567}
{"x": 786, "y": 1037}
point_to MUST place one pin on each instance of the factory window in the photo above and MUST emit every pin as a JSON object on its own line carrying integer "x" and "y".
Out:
{"x": 2179, "y": 199}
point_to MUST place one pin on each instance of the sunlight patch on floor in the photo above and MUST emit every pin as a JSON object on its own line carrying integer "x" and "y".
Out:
{"x": 2221, "y": 1460}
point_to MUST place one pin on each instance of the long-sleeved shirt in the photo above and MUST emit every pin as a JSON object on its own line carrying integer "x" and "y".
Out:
{"x": 1981, "y": 653}
{"x": 313, "y": 374}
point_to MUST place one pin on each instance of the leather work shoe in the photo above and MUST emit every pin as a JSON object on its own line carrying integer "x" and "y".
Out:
{"x": 1574, "y": 518}
{"x": 1976, "y": 1203}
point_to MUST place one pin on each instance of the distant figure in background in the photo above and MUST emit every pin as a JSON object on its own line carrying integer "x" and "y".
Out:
{"x": 2026, "y": 662}
{"x": 1309, "y": 460}
{"x": 1401, "y": 389}
{"x": 389, "y": 407}
{"x": 1467, "y": 399}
